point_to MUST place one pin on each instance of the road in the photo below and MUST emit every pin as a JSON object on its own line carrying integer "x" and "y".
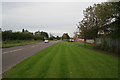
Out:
{"x": 12, "y": 56}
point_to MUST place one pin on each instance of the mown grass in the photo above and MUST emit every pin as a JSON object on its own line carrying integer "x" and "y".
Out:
{"x": 12, "y": 43}
{"x": 83, "y": 44}
{"x": 66, "y": 61}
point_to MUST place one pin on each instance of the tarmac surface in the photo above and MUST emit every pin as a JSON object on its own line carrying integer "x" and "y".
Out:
{"x": 13, "y": 55}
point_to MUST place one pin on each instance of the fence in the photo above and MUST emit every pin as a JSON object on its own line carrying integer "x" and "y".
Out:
{"x": 108, "y": 44}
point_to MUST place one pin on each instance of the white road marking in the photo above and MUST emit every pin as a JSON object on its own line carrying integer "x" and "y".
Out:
{"x": 35, "y": 45}
{"x": 12, "y": 51}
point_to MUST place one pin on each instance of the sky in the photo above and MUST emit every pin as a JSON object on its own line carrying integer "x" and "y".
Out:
{"x": 52, "y": 17}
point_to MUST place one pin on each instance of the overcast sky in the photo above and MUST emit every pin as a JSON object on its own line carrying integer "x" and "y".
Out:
{"x": 52, "y": 17}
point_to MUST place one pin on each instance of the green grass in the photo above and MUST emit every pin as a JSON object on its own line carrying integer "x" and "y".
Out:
{"x": 12, "y": 43}
{"x": 66, "y": 61}
{"x": 82, "y": 44}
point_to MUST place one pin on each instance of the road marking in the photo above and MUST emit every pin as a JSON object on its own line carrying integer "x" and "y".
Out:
{"x": 12, "y": 51}
{"x": 35, "y": 45}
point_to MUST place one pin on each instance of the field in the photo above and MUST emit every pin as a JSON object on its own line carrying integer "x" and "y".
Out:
{"x": 82, "y": 44}
{"x": 13, "y": 43}
{"x": 63, "y": 60}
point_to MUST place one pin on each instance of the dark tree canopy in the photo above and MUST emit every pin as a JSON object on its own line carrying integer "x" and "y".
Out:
{"x": 24, "y": 35}
{"x": 65, "y": 36}
{"x": 99, "y": 19}
{"x": 58, "y": 38}
{"x": 52, "y": 37}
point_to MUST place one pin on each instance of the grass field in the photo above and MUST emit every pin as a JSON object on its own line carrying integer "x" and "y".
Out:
{"x": 12, "y": 43}
{"x": 82, "y": 44}
{"x": 66, "y": 61}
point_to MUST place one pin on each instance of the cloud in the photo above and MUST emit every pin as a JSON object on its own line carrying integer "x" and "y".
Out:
{"x": 53, "y": 17}
{"x": 55, "y": 0}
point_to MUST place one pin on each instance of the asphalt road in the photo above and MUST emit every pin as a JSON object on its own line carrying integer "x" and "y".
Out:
{"x": 12, "y": 56}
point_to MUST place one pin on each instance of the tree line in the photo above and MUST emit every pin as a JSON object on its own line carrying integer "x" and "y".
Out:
{"x": 24, "y": 35}
{"x": 65, "y": 36}
{"x": 101, "y": 20}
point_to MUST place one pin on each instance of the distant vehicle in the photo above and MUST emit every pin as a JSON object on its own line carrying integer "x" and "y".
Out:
{"x": 46, "y": 41}
{"x": 71, "y": 40}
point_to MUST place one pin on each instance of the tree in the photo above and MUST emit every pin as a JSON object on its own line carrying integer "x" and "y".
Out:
{"x": 23, "y": 30}
{"x": 89, "y": 25}
{"x": 51, "y": 37}
{"x": 101, "y": 18}
{"x": 109, "y": 15}
{"x": 24, "y": 35}
{"x": 58, "y": 38}
{"x": 41, "y": 35}
{"x": 44, "y": 35}
{"x": 7, "y": 35}
{"x": 65, "y": 36}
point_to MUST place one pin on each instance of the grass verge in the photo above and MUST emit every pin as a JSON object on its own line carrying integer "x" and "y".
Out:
{"x": 66, "y": 61}
{"x": 82, "y": 44}
{"x": 13, "y": 43}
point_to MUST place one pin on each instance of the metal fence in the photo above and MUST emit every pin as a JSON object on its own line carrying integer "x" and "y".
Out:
{"x": 108, "y": 44}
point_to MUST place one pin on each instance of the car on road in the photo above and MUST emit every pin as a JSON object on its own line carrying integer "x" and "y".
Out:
{"x": 46, "y": 41}
{"x": 71, "y": 40}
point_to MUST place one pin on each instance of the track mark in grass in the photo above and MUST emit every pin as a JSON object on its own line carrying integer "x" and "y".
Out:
{"x": 63, "y": 63}
{"x": 49, "y": 60}
{"x": 66, "y": 61}
{"x": 76, "y": 64}
{"x": 51, "y": 72}
{"x": 95, "y": 66}
{"x": 58, "y": 67}
{"x": 27, "y": 65}
{"x": 40, "y": 70}
{"x": 103, "y": 58}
